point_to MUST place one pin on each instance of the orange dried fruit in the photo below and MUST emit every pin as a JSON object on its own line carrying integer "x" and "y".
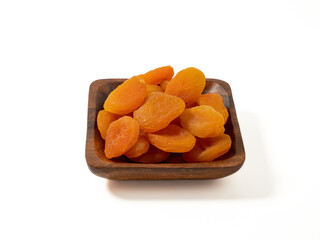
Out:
{"x": 216, "y": 101}
{"x": 154, "y": 155}
{"x": 208, "y": 149}
{"x": 158, "y": 75}
{"x": 150, "y": 115}
{"x": 217, "y": 134}
{"x": 188, "y": 84}
{"x": 202, "y": 121}
{"x": 139, "y": 148}
{"x": 158, "y": 110}
{"x": 153, "y": 88}
{"x": 104, "y": 119}
{"x": 121, "y": 135}
{"x": 164, "y": 84}
{"x": 127, "y": 97}
{"x": 172, "y": 139}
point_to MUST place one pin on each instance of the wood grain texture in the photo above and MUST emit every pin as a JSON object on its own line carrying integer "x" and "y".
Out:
{"x": 121, "y": 168}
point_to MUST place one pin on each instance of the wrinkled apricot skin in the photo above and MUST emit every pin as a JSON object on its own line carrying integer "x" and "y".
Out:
{"x": 121, "y": 135}
{"x": 156, "y": 76}
{"x": 127, "y": 97}
{"x": 188, "y": 84}
{"x": 154, "y": 155}
{"x": 139, "y": 148}
{"x": 164, "y": 84}
{"x": 104, "y": 119}
{"x": 158, "y": 111}
{"x": 153, "y": 88}
{"x": 216, "y": 134}
{"x": 202, "y": 121}
{"x": 208, "y": 149}
{"x": 216, "y": 101}
{"x": 172, "y": 139}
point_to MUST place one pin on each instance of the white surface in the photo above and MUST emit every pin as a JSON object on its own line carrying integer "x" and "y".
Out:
{"x": 51, "y": 51}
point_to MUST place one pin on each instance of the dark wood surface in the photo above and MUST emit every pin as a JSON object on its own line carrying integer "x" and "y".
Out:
{"x": 122, "y": 168}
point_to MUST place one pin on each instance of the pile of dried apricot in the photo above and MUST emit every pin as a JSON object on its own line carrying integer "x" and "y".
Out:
{"x": 152, "y": 115}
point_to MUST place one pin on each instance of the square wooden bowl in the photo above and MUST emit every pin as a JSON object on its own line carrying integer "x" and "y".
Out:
{"x": 123, "y": 169}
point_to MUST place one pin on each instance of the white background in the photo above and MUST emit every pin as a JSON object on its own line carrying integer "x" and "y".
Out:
{"x": 50, "y": 52}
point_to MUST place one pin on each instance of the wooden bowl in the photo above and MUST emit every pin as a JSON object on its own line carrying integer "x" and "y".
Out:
{"x": 122, "y": 168}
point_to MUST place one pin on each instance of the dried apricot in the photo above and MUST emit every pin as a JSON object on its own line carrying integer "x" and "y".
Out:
{"x": 172, "y": 139}
{"x": 154, "y": 155}
{"x": 104, "y": 119}
{"x": 188, "y": 84}
{"x": 202, "y": 121}
{"x": 121, "y": 135}
{"x": 154, "y": 114}
{"x": 164, "y": 84}
{"x": 216, "y": 101}
{"x": 139, "y": 148}
{"x": 153, "y": 88}
{"x": 158, "y": 75}
{"x": 208, "y": 149}
{"x": 127, "y": 97}
{"x": 158, "y": 110}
